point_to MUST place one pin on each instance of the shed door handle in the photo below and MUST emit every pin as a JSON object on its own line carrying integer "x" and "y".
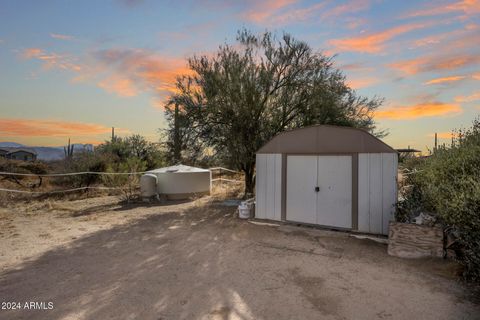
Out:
{"x": 317, "y": 189}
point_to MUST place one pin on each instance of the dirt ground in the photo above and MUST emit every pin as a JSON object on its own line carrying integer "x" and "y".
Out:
{"x": 98, "y": 259}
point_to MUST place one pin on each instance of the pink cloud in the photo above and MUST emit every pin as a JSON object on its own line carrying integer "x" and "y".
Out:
{"x": 263, "y": 10}
{"x": 359, "y": 83}
{"x": 435, "y": 63}
{"x": 473, "y": 97}
{"x": 351, "y": 6}
{"x": 123, "y": 87}
{"x": 443, "y": 80}
{"x": 467, "y": 7}
{"x": 373, "y": 42}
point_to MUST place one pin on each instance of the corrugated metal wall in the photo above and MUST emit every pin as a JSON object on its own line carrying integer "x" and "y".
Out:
{"x": 268, "y": 186}
{"x": 377, "y": 191}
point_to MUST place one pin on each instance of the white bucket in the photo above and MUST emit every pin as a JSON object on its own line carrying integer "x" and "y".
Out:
{"x": 244, "y": 211}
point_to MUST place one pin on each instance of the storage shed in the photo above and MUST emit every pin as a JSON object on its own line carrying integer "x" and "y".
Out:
{"x": 338, "y": 177}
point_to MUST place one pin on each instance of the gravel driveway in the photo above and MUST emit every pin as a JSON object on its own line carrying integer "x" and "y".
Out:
{"x": 95, "y": 259}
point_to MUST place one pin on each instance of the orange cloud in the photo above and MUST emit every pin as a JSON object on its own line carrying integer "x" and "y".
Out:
{"x": 50, "y": 128}
{"x": 428, "y": 109}
{"x": 121, "y": 86}
{"x": 358, "y": 83}
{"x": 473, "y": 97}
{"x": 32, "y": 53}
{"x": 263, "y": 10}
{"x": 468, "y": 7}
{"x": 372, "y": 43}
{"x": 297, "y": 14}
{"x": 51, "y": 60}
{"x": 348, "y": 7}
{"x": 425, "y": 64}
{"x": 445, "y": 80}
{"x": 148, "y": 71}
{"x": 476, "y": 76}
{"x": 61, "y": 36}
{"x": 125, "y": 72}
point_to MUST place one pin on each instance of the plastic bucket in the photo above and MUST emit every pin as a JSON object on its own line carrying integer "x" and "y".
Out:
{"x": 243, "y": 211}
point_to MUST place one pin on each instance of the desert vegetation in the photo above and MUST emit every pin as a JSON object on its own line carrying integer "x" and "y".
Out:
{"x": 446, "y": 184}
{"x": 237, "y": 99}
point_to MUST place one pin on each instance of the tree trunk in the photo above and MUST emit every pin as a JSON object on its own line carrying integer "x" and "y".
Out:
{"x": 249, "y": 179}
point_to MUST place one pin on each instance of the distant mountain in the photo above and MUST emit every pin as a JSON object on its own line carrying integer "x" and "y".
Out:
{"x": 11, "y": 145}
{"x": 49, "y": 153}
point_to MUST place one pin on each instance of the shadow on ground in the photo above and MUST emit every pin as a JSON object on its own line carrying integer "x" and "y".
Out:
{"x": 203, "y": 263}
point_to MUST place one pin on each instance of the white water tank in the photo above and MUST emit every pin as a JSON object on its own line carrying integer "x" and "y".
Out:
{"x": 182, "y": 182}
{"x": 148, "y": 185}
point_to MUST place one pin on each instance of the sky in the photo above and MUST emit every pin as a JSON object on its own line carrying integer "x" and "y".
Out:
{"x": 74, "y": 69}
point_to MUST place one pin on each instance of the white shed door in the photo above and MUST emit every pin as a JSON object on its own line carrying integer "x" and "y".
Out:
{"x": 301, "y": 196}
{"x": 334, "y": 198}
{"x": 331, "y": 205}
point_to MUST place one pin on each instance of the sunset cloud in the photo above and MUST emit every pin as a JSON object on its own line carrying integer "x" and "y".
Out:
{"x": 148, "y": 71}
{"x": 296, "y": 15}
{"x": 428, "y": 109}
{"x": 51, "y": 60}
{"x": 445, "y": 80}
{"x": 124, "y": 72}
{"x": 436, "y": 63}
{"x": 467, "y": 7}
{"x": 359, "y": 83}
{"x": 351, "y": 6}
{"x": 49, "y": 128}
{"x": 263, "y": 10}
{"x": 121, "y": 86}
{"x": 473, "y": 97}
{"x": 373, "y": 42}
{"x": 61, "y": 36}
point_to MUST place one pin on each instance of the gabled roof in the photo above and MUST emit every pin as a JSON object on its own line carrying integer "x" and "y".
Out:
{"x": 11, "y": 150}
{"x": 326, "y": 139}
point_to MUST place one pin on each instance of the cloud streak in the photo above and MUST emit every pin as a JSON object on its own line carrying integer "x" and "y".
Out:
{"x": 373, "y": 42}
{"x": 436, "y": 63}
{"x": 427, "y": 109}
{"x": 467, "y": 7}
{"x": 261, "y": 11}
{"x": 473, "y": 97}
{"x": 444, "y": 80}
{"x": 13, "y": 127}
{"x": 61, "y": 36}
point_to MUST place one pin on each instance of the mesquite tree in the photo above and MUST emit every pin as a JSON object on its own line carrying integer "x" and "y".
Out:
{"x": 237, "y": 99}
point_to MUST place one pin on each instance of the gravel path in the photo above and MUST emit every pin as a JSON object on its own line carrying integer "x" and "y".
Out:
{"x": 96, "y": 259}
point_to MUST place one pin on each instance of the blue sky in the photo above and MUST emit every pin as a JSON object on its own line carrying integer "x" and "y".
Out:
{"x": 76, "y": 68}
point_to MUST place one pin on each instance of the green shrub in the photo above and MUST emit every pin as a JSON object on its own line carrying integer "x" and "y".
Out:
{"x": 448, "y": 183}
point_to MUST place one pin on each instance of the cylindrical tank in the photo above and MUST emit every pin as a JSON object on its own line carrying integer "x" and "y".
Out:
{"x": 148, "y": 185}
{"x": 182, "y": 182}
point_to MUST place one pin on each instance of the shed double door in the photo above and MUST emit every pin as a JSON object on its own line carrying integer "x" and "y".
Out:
{"x": 319, "y": 190}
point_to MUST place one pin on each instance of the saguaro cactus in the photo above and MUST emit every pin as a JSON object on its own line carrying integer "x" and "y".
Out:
{"x": 68, "y": 149}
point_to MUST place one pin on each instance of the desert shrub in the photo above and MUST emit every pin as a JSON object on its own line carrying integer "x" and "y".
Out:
{"x": 129, "y": 185}
{"x": 448, "y": 183}
{"x": 37, "y": 167}
{"x": 136, "y": 146}
{"x": 88, "y": 161}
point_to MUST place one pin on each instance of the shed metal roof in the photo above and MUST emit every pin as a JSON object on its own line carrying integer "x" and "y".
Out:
{"x": 326, "y": 139}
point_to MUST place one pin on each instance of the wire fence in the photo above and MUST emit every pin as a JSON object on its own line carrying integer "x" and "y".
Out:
{"x": 69, "y": 174}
